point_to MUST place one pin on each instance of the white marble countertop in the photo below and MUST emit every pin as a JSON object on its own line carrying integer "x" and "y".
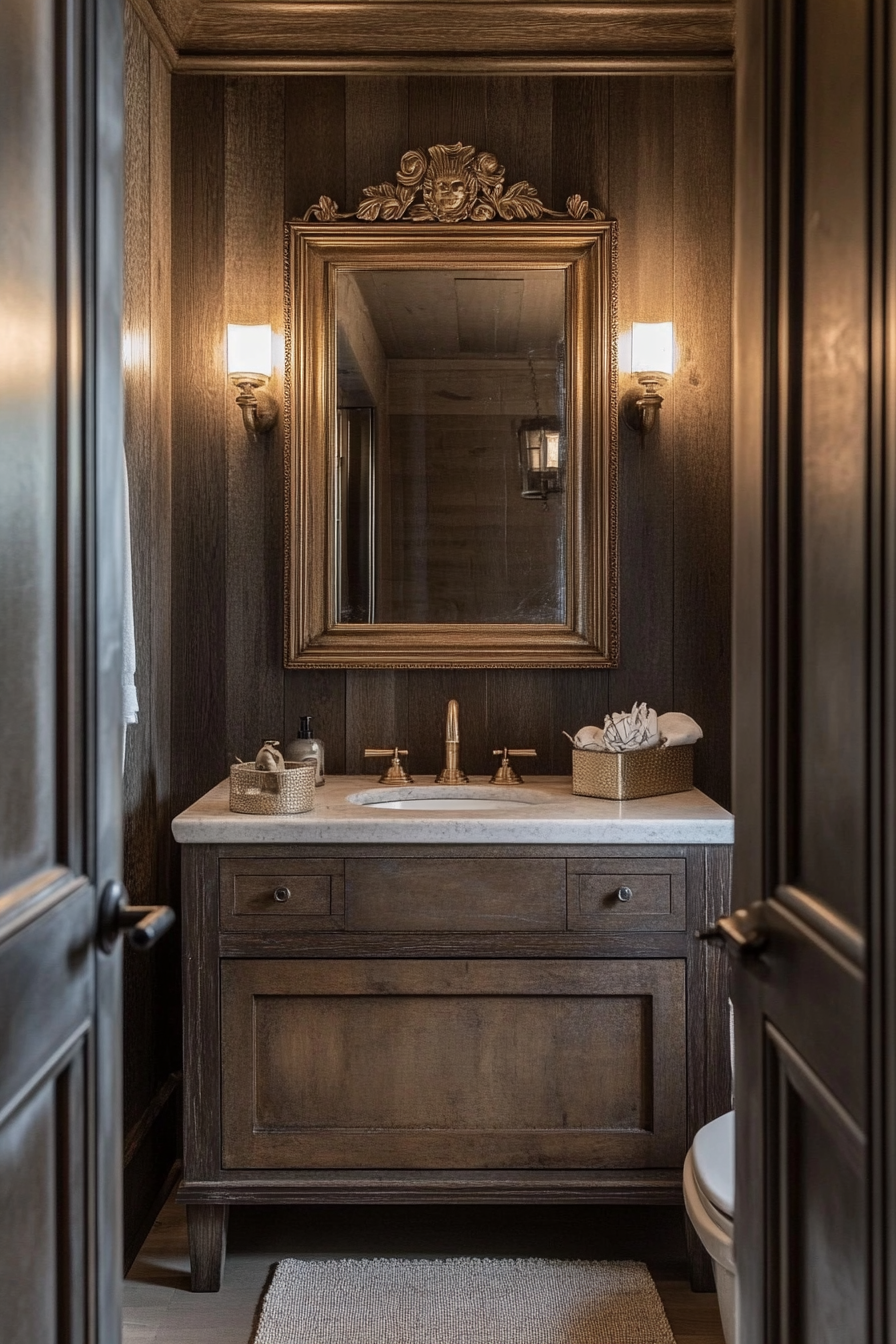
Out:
{"x": 552, "y": 816}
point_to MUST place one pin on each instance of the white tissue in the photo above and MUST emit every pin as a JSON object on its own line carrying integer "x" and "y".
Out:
{"x": 678, "y": 730}
{"x": 638, "y": 730}
{"x": 635, "y": 731}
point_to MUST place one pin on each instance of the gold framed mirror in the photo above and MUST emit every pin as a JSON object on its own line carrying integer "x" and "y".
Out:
{"x": 451, "y": 426}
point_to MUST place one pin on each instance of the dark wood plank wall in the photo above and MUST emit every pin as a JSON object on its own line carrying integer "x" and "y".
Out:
{"x": 250, "y": 152}
{"x": 151, "y": 1011}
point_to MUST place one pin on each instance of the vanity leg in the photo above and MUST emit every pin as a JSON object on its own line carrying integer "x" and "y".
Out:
{"x": 699, "y": 1262}
{"x": 207, "y": 1232}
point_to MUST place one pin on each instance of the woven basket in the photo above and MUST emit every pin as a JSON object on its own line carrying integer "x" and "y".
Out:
{"x": 633, "y": 774}
{"x": 270, "y": 793}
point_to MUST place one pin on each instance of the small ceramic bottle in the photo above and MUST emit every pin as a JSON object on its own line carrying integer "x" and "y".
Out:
{"x": 304, "y": 747}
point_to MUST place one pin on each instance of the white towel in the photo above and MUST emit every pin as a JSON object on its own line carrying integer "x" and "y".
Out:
{"x": 678, "y": 730}
{"x": 128, "y": 641}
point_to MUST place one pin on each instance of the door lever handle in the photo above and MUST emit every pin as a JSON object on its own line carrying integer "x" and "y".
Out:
{"x": 743, "y": 933}
{"x": 143, "y": 924}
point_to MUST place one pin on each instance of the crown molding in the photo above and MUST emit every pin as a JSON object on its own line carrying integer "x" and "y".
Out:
{"x": 156, "y": 31}
{"x": 463, "y": 36}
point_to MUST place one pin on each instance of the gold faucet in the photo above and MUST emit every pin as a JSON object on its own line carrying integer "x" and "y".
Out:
{"x": 451, "y": 772}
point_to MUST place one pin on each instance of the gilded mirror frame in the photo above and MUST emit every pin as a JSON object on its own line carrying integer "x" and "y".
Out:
{"x": 586, "y": 250}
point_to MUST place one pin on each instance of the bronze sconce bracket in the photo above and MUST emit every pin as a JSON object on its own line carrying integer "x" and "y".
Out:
{"x": 259, "y": 408}
{"x": 639, "y": 409}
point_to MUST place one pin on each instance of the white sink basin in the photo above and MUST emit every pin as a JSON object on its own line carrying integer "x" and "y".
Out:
{"x": 437, "y": 804}
{"x": 449, "y": 798}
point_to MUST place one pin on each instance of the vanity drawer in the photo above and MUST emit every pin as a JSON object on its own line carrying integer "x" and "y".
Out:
{"x": 300, "y": 894}
{"x": 455, "y": 895}
{"x": 638, "y": 894}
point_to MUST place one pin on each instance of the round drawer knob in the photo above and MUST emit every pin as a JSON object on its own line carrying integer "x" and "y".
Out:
{"x": 282, "y": 894}
{"x": 625, "y": 893}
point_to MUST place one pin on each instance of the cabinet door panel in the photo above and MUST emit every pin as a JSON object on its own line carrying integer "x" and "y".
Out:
{"x": 460, "y": 1064}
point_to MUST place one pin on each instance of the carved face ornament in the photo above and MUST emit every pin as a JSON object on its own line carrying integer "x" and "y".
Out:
{"x": 450, "y": 186}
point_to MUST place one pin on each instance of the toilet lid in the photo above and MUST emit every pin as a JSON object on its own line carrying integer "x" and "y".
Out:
{"x": 713, "y": 1154}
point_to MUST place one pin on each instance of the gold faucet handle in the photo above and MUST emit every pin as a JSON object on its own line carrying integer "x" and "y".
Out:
{"x": 505, "y": 773}
{"x": 395, "y": 772}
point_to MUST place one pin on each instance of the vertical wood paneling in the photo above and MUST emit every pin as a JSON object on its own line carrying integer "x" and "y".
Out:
{"x": 518, "y": 122}
{"x": 314, "y": 142}
{"x": 253, "y": 293}
{"x": 150, "y": 984}
{"x": 160, "y": 365}
{"x": 445, "y": 109}
{"x": 580, "y": 141}
{"x": 199, "y": 483}
{"x": 580, "y": 151}
{"x": 167, "y": 958}
{"x": 376, "y": 132}
{"x": 140, "y": 857}
{"x": 642, "y": 155}
{"x": 139, "y": 808}
{"x": 702, "y": 301}
{"x": 624, "y": 144}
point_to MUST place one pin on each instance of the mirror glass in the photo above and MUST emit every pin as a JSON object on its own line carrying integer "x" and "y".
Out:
{"x": 450, "y": 445}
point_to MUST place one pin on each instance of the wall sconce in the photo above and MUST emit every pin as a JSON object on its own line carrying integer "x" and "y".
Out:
{"x": 539, "y": 441}
{"x": 249, "y": 366}
{"x": 653, "y": 362}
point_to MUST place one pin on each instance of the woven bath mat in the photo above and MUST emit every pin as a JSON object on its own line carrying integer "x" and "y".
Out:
{"x": 462, "y": 1302}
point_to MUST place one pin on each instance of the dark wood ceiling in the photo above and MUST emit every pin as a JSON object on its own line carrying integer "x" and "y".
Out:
{"x": 387, "y": 36}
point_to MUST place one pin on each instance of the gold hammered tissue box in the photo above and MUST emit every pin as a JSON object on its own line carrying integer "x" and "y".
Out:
{"x": 623, "y": 775}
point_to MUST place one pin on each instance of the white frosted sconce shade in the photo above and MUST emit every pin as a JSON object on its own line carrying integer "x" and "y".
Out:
{"x": 653, "y": 348}
{"x": 249, "y": 365}
{"x": 653, "y": 363}
{"x": 249, "y": 350}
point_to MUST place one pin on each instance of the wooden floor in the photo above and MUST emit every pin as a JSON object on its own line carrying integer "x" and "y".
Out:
{"x": 160, "y": 1309}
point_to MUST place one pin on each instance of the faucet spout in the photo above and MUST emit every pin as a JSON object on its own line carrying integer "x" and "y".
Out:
{"x": 451, "y": 772}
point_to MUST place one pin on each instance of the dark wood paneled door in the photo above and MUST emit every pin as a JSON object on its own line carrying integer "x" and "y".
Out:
{"x": 814, "y": 635}
{"x": 60, "y": 677}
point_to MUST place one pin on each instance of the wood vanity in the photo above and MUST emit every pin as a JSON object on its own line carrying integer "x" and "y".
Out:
{"x": 375, "y": 1012}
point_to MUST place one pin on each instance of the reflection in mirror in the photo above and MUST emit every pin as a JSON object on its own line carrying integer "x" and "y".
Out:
{"x": 451, "y": 445}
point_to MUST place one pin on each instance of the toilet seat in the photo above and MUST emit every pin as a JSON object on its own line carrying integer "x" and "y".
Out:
{"x": 708, "y": 1187}
{"x": 714, "y": 1162}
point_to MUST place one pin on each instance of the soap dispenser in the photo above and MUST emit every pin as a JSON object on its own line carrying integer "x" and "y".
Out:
{"x": 307, "y": 748}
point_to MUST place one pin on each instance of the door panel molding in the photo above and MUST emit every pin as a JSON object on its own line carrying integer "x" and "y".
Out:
{"x": 807, "y": 1083}
{"x": 815, "y": 1288}
{"x": 22, "y": 904}
{"x": 828, "y": 924}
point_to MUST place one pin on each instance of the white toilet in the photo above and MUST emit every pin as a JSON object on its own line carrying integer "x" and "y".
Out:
{"x": 708, "y": 1184}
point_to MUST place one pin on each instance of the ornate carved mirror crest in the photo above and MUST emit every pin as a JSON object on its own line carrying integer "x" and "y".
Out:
{"x": 451, "y": 425}
{"x": 456, "y": 184}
